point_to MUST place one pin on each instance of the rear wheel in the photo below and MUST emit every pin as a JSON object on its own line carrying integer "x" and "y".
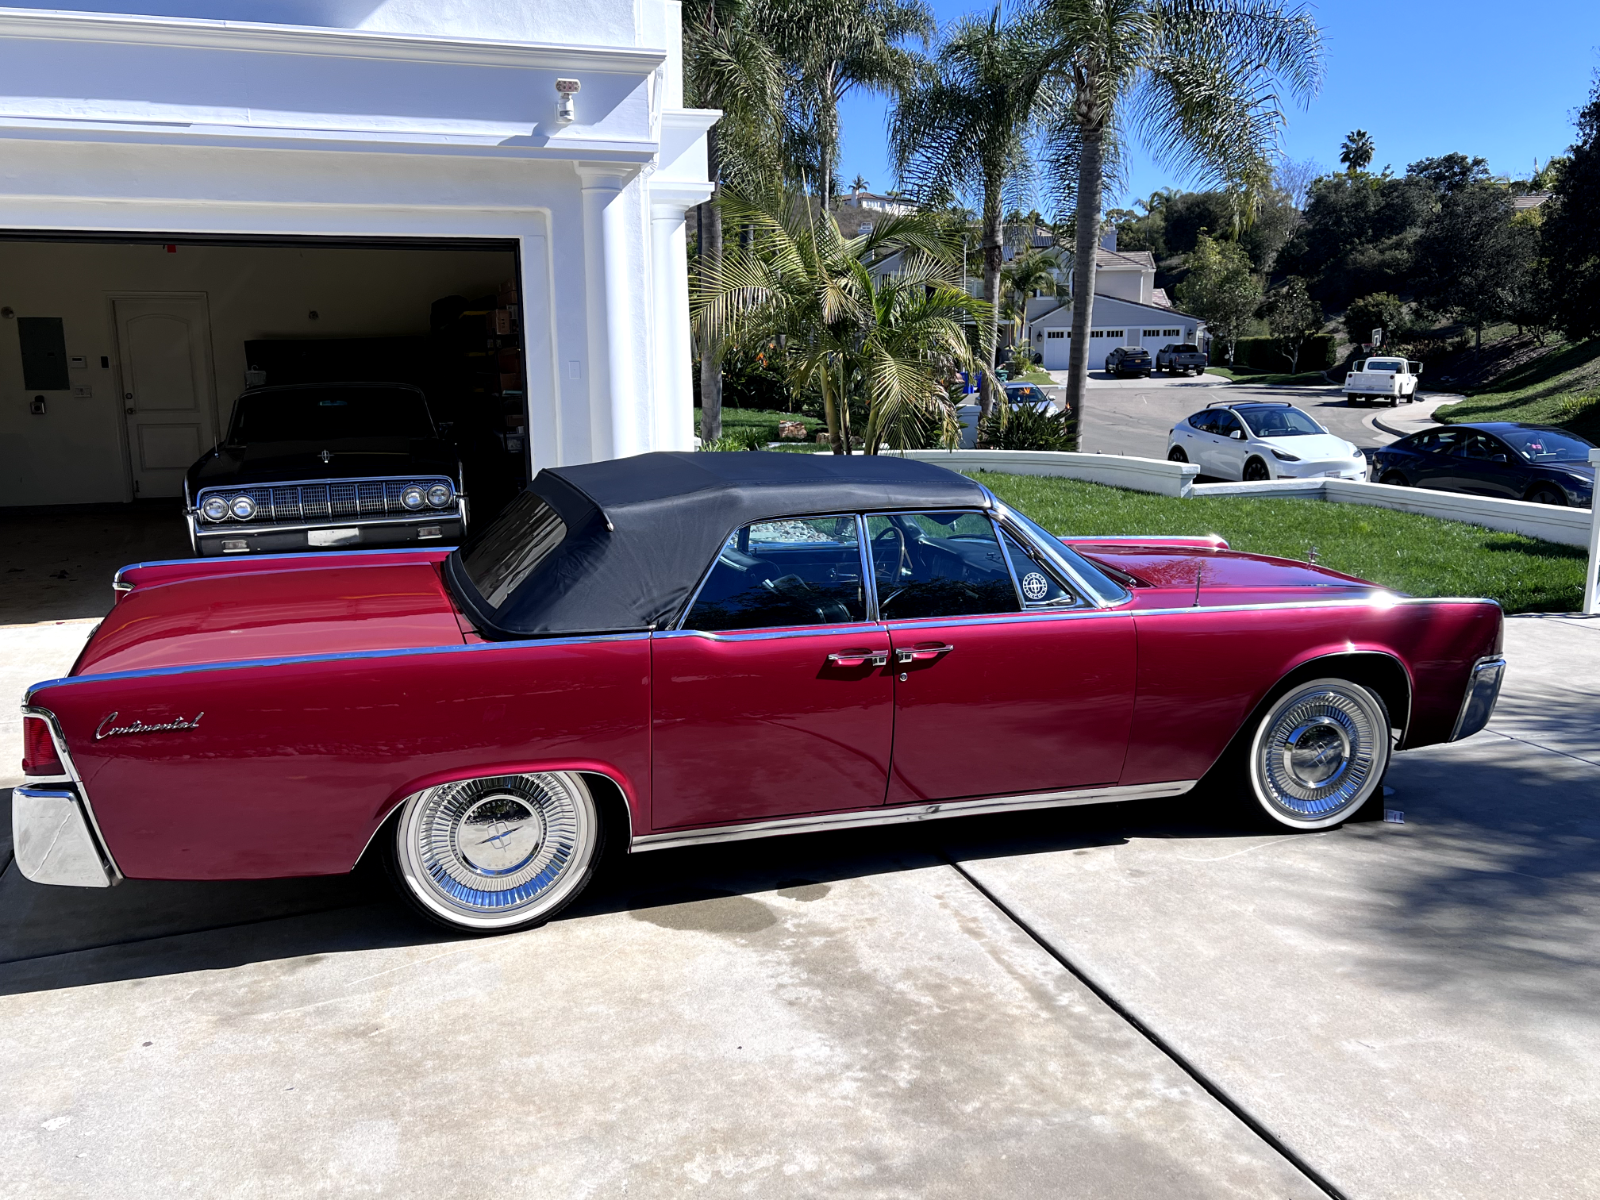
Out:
{"x": 1547, "y": 494}
{"x": 1255, "y": 471}
{"x": 496, "y": 853}
{"x": 1319, "y": 753}
{"x": 1176, "y": 454}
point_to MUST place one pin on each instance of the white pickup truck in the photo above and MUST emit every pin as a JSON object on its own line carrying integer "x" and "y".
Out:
{"x": 1391, "y": 379}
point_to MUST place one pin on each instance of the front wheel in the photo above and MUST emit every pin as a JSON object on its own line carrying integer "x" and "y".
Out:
{"x": 1395, "y": 479}
{"x": 1255, "y": 471}
{"x": 1319, "y": 754}
{"x": 496, "y": 853}
{"x": 1545, "y": 494}
{"x": 1176, "y": 454}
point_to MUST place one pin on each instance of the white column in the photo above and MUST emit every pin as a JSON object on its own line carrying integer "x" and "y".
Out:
{"x": 618, "y": 395}
{"x": 1591, "y": 570}
{"x": 673, "y": 423}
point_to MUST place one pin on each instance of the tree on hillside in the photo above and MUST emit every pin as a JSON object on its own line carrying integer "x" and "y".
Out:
{"x": 1356, "y": 151}
{"x": 882, "y": 341}
{"x": 1293, "y": 317}
{"x": 1572, "y": 229}
{"x": 836, "y": 46}
{"x": 1449, "y": 173}
{"x": 1472, "y": 261}
{"x": 1355, "y": 235}
{"x": 1220, "y": 289}
{"x": 1201, "y": 82}
{"x": 859, "y": 183}
{"x": 965, "y": 128}
{"x": 729, "y": 64}
{"x": 1380, "y": 310}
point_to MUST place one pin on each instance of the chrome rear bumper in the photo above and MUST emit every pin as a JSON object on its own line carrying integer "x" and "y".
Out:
{"x": 1483, "y": 689}
{"x": 53, "y": 839}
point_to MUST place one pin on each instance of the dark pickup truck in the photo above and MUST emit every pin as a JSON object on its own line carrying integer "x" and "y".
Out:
{"x": 1181, "y": 358}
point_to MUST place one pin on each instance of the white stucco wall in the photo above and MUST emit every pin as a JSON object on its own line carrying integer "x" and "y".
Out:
{"x": 391, "y": 119}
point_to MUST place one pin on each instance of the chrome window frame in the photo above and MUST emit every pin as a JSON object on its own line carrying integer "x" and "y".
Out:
{"x": 1059, "y": 560}
{"x": 868, "y": 593}
{"x": 987, "y": 511}
{"x": 1079, "y": 597}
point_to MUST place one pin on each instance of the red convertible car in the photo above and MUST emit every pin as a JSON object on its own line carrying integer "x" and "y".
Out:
{"x": 685, "y": 648}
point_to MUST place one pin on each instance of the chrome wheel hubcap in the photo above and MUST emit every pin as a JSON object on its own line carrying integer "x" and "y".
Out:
{"x": 500, "y": 850}
{"x": 1320, "y": 753}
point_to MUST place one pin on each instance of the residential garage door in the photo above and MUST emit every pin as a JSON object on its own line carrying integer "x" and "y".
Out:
{"x": 162, "y": 333}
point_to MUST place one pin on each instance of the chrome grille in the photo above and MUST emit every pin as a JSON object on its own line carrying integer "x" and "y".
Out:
{"x": 333, "y": 501}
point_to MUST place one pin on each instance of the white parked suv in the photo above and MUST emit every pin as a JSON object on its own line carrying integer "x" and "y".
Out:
{"x": 1254, "y": 441}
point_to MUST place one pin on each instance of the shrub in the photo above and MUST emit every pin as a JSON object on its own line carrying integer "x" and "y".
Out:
{"x": 1266, "y": 353}
{"x": 1027, "y": 429}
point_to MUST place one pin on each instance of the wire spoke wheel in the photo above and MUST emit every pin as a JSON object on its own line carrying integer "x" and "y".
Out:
{"x": 1319, "y": 753}
{"x": 497, "y": 852}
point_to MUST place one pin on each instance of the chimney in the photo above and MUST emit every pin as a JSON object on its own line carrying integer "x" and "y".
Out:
{"x": 1109, "y": 241}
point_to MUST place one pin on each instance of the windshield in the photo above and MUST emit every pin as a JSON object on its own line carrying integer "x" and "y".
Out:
{"x": 1546, "y": 445}
{"x": 1027, "y": 393}
{"x": 1279, "y": 422}
{"x": 328, "y": 413}
{"x": 505, "y": 554}
{"x": 1385, "y": 364}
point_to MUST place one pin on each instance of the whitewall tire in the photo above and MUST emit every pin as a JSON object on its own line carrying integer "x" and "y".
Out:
{"x": 1319, "y": 753}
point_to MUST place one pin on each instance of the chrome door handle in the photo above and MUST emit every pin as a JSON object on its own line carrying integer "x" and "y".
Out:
{"x": 919, "y": 653}
{"x": 857, "y": 658}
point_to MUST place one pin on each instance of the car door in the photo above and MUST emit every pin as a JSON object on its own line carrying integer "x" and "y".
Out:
{"x": 1229, "y": 448}
{"x": 1479, "y": 464}
{"x": 1202, "y": 443}
{"x": 1431, "y": 467}
{"x": 773, "y": 697}
{"x": 1006, "y": 681}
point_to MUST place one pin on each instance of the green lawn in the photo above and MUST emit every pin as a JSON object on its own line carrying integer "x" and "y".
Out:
{"x": 1033, "y": 374}
{"x": 736, "y": 420}
{"x": 1558, "y": 388}
{"x": 1269, "y": 378}
{"x": 1422, "y": 556}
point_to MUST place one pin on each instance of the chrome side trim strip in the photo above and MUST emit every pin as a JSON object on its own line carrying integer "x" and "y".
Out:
{"x": 233, "y": 664}
{"x": 819, "y": 822}
{"x": 113, "y": 872}
{"x": 343, "y": 554}
{"x": 862, "y": 628}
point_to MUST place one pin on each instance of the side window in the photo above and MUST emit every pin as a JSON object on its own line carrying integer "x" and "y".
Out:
{"x": 1035, "y": 580}
{"x": 798, "y": 571}
{"x": 1205, "y": 421}
{"x": 939, "y": 564}
{"x": 1226, "y": 424}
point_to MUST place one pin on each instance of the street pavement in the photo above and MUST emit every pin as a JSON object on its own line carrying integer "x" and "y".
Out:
{"x": 1128, "y": 1000}
{"x": 1133, "y": 416}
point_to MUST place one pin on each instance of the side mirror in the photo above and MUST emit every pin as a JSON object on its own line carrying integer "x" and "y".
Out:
{"x": 1416, "y": 368}
{"x": 1497, "y": 458}
{"x": 1237, "y": 435}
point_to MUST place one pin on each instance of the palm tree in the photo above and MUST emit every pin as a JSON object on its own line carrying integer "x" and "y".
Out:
{"x": 1356, "y": 152}
{"x": 729, "y": 64}
{"x": 965, "y": 128}
{"x": 1030, "y": 273}
{"x": 883, "y": 338}
{"x": 835, "y": 46}
{"x": 1198, "y": 80}
{"x": 859, "y": 183}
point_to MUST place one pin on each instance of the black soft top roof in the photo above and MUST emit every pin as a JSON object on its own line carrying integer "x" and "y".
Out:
{"x": 641, "y": 531}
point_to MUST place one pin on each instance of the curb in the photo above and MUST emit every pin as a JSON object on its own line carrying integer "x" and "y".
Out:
{"x": 1437, "y": 398}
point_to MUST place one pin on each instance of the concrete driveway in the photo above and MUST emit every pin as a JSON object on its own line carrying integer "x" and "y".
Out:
{"x": 1133, "y": 1000}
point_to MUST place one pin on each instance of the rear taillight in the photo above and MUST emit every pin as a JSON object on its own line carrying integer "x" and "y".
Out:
{"x": 39, "y": 755}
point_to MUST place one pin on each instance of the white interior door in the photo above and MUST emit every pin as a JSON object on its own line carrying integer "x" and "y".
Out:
{"x": 164, "y": 351}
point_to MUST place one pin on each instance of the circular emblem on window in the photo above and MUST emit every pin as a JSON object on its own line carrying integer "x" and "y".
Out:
{"x": 1035, "y": 586}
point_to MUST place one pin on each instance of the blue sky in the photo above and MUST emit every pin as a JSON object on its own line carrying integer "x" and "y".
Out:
{"x": 1423, "y": 77}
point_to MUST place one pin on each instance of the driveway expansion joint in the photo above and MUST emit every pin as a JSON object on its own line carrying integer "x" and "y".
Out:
{"x": 1176, "y": 1056}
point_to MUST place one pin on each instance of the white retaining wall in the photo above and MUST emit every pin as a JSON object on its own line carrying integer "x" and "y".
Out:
{"x": 1566, "y": 526}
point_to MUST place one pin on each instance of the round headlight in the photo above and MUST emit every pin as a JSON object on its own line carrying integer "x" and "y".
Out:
{"x": 440, "y": 495}
{"x": 413, "y": 498}
{"x": 214, "y": 509}
{"x": 242, "y": 507}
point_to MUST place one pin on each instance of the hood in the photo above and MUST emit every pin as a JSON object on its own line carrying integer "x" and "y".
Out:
{"x": 1183, "y": 576}
{"x": 349, "y": 458}
{"x": 225, "y": 616}
{"x": 1312, "y": 447}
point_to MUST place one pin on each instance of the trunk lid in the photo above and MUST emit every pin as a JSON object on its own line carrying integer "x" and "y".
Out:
{"x": 332, "y": 606}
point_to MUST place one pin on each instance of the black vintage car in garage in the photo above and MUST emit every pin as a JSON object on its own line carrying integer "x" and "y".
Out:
{"x": 326, "y": 465}
{"x": 1508, "y": 459}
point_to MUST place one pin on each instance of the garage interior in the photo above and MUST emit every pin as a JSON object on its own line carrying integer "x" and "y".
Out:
{"x": 121, "y": 357}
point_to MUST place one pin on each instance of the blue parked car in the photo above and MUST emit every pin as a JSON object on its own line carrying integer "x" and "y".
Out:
{"x": 1507, "y": 459}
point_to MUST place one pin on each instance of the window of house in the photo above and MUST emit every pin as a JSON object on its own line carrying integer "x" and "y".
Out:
{"x": 1155, "y": 333}
{"x": 1055, "y": 333}
{"x": 939, "y": 564}
{"x": 1170, "y": 332}
{"x": 798, "y": 571}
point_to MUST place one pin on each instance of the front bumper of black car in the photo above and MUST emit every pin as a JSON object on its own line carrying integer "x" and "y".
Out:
{"x": 444, "y": 528}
